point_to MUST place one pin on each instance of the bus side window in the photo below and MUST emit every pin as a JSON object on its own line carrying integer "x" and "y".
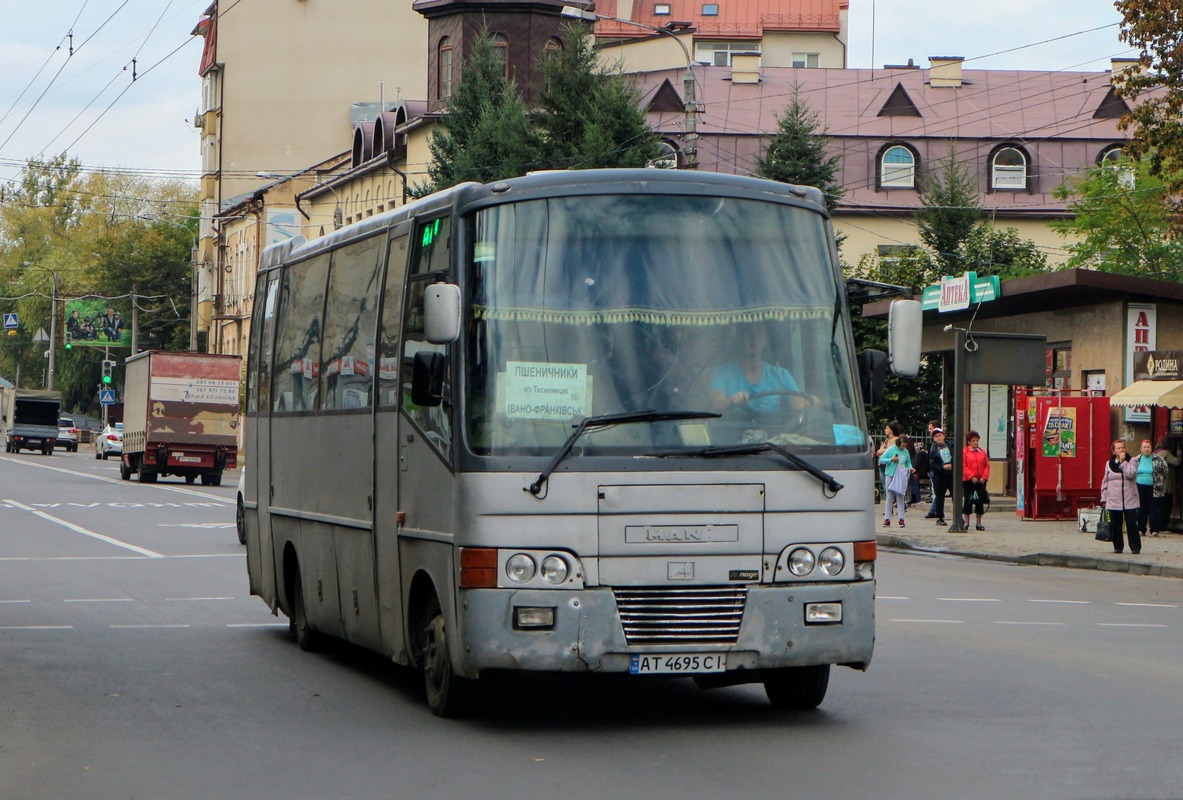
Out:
{"x": 298, "y": 334}
{"x": 389, "y": 338}
{"x": 351, "y": 311}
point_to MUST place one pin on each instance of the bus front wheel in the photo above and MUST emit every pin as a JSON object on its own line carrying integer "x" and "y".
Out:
{"x": 448, "y": 695}
{"x": 797, "y": 688}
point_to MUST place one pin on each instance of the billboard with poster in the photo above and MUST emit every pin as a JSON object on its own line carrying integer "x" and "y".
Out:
{"x": 95, "y": 322}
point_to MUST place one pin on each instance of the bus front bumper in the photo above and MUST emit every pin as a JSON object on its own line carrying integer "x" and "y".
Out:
{"x": 587, "y": 635}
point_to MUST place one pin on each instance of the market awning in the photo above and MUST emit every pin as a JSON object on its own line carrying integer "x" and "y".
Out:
{"x": 1168, "y": 394}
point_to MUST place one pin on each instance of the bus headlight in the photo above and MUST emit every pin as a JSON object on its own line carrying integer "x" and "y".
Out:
{"x": 801, "y": 562}
{"x": 831, "y": 561}
{"x": 555, "y": 570}
{"x": 520, "y": 568}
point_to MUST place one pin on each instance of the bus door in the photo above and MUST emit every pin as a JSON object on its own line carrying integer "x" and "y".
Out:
{"x": 386, "y": 448}
{"x": 260, "y": 554}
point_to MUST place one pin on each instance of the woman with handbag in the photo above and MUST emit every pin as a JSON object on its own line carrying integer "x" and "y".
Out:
{"x": 897, "y": 468}
{"x": 975, "y": 471}
{"x": 1119, "y": 498}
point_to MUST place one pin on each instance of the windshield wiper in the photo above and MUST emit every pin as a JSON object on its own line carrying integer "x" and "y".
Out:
{"x": 826, "y": 478}
{"x": 604, "y": 420}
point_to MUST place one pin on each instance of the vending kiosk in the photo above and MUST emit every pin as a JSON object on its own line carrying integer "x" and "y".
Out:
{"x": 1062, "y": 445}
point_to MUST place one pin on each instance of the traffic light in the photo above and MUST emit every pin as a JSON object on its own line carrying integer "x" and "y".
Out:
{"x": 107, "y": 367}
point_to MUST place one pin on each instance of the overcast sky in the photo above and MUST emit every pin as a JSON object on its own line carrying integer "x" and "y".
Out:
{"x": 51, "y": 101}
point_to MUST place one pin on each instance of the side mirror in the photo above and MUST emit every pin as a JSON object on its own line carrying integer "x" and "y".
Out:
{"x": 441, "y": 312}
{"x": 872, "y": 373}
{"x": 427, "y": 378}
{"x": 905, "y": 321}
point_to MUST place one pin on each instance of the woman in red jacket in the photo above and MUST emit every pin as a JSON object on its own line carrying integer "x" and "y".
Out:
{"x": 975, "y": 470}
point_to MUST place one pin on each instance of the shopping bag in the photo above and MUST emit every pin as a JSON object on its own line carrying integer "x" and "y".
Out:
{"x": 898, "y": 482}
{"x": 1103, "y": 532}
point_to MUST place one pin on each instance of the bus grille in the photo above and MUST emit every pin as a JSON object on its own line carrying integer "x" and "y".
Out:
{"x": 702, "y": 615}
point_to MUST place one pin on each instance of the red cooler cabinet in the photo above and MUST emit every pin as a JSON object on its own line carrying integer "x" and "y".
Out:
{"x": 1063, "y": 445}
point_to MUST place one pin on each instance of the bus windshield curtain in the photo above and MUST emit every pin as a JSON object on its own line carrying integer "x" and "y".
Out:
{"x": 660, "y": 260}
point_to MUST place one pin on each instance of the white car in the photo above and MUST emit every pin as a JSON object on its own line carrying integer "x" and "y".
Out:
{"x": 68, "y": 434}
{"x": 109, "y": 441}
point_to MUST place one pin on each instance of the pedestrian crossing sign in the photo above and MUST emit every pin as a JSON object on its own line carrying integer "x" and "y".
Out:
{"x": 10, "y": 322}
{"x": 106, "y": 397}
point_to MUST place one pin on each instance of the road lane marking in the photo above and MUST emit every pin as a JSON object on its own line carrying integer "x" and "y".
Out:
{"x": 97, "y": 600}
{"x": 1066, "y": 602}
{"x": 1148, "y": 605}
{"x": 37, "y": 628}
{"x": 970, "y": 599}
{"x": 84, "y": 531}
{"x": 889, "y": 597}
{"x": 933, "y": 621}
{"x": 1131, "y": 625}
{"x": 137, "y": 627}
{"x": 16, "y": 601}
{"x": 116, "y": 481}
{"x": 193, "y": 599}
{"x": 1021, "y": 622}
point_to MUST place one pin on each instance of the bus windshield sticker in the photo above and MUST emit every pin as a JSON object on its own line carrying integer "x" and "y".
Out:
{"x": 537, "y": 390}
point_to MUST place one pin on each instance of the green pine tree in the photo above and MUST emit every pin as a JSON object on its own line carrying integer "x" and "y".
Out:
{"x": 589, "y": 115}
{"x": 797, "y": 152}
{"x": 950, "y": 209}
{"x": 486, "y": 135}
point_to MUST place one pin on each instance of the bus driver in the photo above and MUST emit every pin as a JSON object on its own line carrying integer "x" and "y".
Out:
{"x": 736, "y": 381}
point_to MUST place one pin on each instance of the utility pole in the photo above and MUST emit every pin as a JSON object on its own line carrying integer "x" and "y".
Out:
{"x": 135, "y": 318}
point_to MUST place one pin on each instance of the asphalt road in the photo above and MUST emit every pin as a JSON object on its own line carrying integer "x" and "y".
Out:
{"x": 133, "y": 664}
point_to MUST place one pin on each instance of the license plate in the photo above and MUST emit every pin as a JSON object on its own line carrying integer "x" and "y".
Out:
{"x": 188, "y": 459}
{"x": 672, "y": 663}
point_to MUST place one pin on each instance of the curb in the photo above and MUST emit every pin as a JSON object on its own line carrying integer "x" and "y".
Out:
{"x": 1066, "y": 560}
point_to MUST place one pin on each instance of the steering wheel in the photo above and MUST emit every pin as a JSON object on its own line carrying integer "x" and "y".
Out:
{"x": 791, "y": 418}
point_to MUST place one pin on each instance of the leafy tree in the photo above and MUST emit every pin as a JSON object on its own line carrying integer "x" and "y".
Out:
{"x": 1155, "y": 90}
{"x": 98, "y": 232}
{"x": 486, "y": 135}
{"x": 989, "y": 251}
{"x": 589, "y": 115}
{"x": 1124, "y": 222}
{"x": 797, "y": 152}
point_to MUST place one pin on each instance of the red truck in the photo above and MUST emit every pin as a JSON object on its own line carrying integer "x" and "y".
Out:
{"x": 180, "y": 416}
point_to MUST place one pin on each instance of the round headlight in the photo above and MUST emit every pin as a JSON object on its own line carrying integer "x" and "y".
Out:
{"x": 831, "y": 561}
{"x": 520, "y": 568}
{"x": 554, "y": 569}
{"x": 801, "y": 562}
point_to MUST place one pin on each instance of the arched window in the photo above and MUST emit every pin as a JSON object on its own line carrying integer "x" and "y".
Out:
{"x": 1008, "y": 169}
{"x": 445, "y": 62}
{"x": 667, "y": 156}
{"x": 553, "y": 46}
{"x": 501, "y": 51}
{"x": 897, "y": 168}
{"x": 1113, "y": 158}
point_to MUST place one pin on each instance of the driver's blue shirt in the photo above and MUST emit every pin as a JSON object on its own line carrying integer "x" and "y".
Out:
{"x": 730, "y": 379}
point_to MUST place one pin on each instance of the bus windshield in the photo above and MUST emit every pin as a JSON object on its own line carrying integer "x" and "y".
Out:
{"x": 598, "y": 305}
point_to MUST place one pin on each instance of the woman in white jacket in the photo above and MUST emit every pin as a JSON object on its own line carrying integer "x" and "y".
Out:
{"x": 1119, "y": 497}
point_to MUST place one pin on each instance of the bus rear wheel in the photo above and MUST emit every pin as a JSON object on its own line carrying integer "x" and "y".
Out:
{"x": 448, "y": 695}
{"x": 797, "y": 688}
{"x": 306, "y": 637}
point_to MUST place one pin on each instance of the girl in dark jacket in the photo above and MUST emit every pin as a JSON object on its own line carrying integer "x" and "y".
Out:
{"x": 1119, "y": 498}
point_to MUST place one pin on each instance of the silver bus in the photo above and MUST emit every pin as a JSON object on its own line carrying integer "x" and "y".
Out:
{"x": 605, "y": 421}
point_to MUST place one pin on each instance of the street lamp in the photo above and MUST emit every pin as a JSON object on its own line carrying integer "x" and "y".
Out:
{"x": 53, "y": 320}
{"x": 690, "y": 127}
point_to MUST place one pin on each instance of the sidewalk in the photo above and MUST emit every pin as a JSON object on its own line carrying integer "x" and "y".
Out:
{"x": 1051, "y": 543}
